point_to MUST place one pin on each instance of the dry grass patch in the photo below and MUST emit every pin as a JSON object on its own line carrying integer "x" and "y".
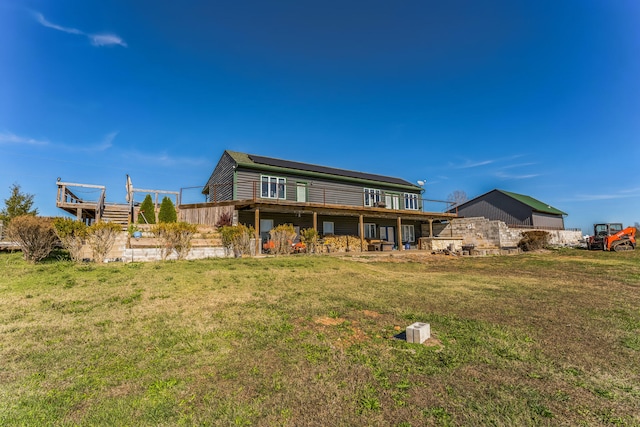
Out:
{"x": 536, "y": 339}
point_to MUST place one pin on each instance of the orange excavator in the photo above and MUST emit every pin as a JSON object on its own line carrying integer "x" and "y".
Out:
{"x": 612, "y": 237}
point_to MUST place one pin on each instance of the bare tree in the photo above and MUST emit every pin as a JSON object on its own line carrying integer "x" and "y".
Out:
{"x": 457, "y": 198}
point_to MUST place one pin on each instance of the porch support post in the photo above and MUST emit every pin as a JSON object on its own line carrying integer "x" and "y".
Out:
{"x": 79, "y": 214}
{"x": 430, "y": 227}
{"x": 362, "y": 233}
{"x": 400, "y": 246}
{"x": 256, "y": 227}
{"x": 315, "y": 221}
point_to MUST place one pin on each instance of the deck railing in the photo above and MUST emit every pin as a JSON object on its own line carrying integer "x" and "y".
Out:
{"x": 326, "y": 196}
{"x": 68, "y": 197}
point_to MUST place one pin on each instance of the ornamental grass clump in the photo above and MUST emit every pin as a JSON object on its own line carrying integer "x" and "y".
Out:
{"x": 237, "y": 239}
{"x": 102, "y": 236}
{"x": 309, "y": 237}
{"x": 176, "y": 236}
{"x": 282, "y": 237}
{"x": 72, "y": 235}
{"x": 34, "y": 235}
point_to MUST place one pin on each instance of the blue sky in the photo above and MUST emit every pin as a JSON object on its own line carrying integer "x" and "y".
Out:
{"x": 535, "y": 97}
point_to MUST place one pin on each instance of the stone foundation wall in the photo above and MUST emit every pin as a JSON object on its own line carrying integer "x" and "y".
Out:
{"x": 153, "y": 254}
{"x": 440, "y": 244}
{"x": 484, "y": 233}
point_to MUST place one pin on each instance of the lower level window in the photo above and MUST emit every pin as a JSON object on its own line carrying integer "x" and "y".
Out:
{"x": 327, "y": 227}
{"x": 369, "y": 231}
{"x": 408, "y": 234}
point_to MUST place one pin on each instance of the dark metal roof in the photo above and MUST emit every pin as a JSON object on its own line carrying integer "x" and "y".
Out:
{"x": 326, "y": 170}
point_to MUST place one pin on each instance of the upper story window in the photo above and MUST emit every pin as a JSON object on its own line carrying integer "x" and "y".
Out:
{"x": 411, "y": 201}
{"x": 371, "y": 197}
{"x": 273, "y": 187}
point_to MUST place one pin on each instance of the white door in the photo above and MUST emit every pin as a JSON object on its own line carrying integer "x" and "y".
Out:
{"x": 301, "y": 192}
{"x": 392, "y": 201}
{"x": 388, "y": 234}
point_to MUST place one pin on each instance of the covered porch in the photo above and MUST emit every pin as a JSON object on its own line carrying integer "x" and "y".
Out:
{"x": 378, "y": 224}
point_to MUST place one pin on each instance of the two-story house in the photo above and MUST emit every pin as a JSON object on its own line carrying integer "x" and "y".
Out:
{"x": 265, "y": 192}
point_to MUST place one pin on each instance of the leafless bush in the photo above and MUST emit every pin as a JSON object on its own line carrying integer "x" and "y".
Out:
{"x": 534, "y": 240}
{"x": 102, "y": 236}
{"x": 34, "y": 235}
{"x": 72, "y": 234}
{"x": 176, "y": 237}
{"x": 282, "y": 237}
{"x": 225, "y": 220}
{"x": 237, "y": 239}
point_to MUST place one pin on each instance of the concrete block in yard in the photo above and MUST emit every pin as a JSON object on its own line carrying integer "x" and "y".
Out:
{"x": 418, "y": 332}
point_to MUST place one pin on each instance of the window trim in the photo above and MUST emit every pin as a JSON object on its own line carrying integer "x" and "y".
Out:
{"x": 411, "y": 201}
{"x": 371, "y": 197}
{"x": 333, "y": 227}
{"x": 279, "y": 180}
{"x": 411, "y": 233}
{"x": 368, "y": 227}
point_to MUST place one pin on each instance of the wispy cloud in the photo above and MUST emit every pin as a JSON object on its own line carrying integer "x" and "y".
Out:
{"x": 11, "y": 138}
{"x": 518, "y": 165}
{"x": 107, "y": 142}
{"x": 104, "y": 144}
{"x": 503, "y": 175}
{"x": 95, "y": 39}
{"x": 471, "y": 164}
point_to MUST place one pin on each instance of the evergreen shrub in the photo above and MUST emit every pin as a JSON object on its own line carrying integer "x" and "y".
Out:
{"x": 167, "y": 212}
{"x": 147, "y": 211}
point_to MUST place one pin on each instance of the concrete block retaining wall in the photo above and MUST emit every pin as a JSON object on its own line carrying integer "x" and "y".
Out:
{"x": 484, "y": 233}
{"x": 153, "y": 254}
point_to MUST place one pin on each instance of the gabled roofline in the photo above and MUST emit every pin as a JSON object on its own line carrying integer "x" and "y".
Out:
{"x": 535, "y": 204}
{"x": 243, "y": 160}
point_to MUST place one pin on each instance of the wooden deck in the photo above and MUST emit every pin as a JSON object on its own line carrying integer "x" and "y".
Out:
{"x": 284, "y": 206}
{"x": 93, "y": 206}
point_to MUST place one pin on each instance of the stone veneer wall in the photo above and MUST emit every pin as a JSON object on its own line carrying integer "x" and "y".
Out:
{"x": 153, "y": 254}
{"x": 484, "y": 233}
{"x": 123, "y": 253}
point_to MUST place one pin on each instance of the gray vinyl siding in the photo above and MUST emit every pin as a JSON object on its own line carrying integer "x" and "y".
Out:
{"x": 245, "y": 182}
{"x": 323, "y": 191}
{"x": 220, "y": 184}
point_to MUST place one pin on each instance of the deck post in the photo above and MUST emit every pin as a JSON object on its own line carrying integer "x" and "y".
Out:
{"x": 400, "y": 246}
{"x": 256, "y": 220}
{"x": 79, "y": 214}
{"x": 361, "y": 232}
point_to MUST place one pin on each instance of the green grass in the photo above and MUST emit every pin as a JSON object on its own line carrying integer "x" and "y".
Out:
{"x": 536, "y": 339}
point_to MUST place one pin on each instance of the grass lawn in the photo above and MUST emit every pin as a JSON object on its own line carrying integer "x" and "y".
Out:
{"x": 536, "y": 339}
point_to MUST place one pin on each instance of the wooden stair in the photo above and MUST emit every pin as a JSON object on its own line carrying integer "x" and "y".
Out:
{"x": 118, "y": 214}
